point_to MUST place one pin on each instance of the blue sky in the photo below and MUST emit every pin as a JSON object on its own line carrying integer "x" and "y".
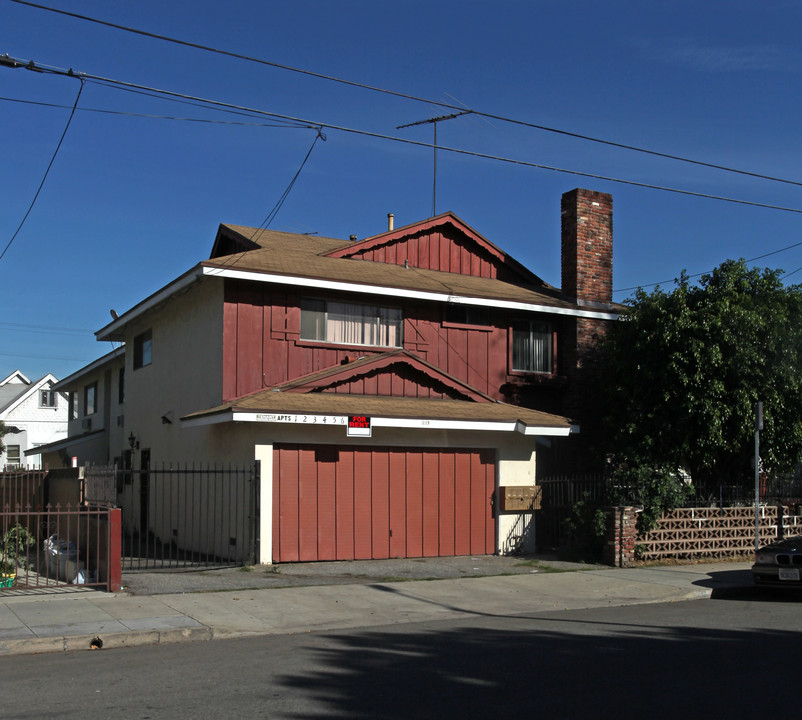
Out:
{"x": 131, "y": 202}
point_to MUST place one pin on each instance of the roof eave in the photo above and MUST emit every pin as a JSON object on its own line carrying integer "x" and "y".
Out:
{"x": 115, "y": 330}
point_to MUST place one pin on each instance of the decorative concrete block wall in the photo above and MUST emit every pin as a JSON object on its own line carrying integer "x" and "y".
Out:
{"x": 694, "y": 533}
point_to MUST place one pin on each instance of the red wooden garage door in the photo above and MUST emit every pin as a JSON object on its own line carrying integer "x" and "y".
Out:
{"x": 351, "y": 503}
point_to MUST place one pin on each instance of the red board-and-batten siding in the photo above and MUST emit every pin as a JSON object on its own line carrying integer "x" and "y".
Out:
{"x": 401, "y": 383}
{"x": 444, "y": 250}
{"x": 261, "y": 334}
{"x": 262, "y": 345}
{"x": 370, "y": 503}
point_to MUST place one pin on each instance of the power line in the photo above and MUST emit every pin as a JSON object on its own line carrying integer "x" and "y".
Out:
{"x": 43, "y": 357}
{"x": 707, "y": 272}
{"x": 45, "y": 329}
{"x": 272, "y": 214}
{"x": 12, "y": 62}
{"x": 214, "y": 104}
{"x": 406, "y": 96}
{"x": 47, "y": 171}
{"x": 158, "y": 117}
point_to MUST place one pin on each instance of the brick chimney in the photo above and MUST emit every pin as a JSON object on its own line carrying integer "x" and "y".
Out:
{"x": 587, "y": 246}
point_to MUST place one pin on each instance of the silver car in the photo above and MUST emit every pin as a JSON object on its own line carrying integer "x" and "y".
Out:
{"x": 779, "y": 563}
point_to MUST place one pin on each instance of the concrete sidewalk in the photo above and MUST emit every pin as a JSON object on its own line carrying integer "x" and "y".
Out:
{"x": 69, "y": 622}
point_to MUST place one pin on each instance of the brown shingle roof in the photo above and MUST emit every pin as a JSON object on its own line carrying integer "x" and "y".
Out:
{"x": 301, "y": 256}
{"x": 272, "y": 402}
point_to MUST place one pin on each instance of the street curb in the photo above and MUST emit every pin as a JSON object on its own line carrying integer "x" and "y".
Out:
{"x": 79, "y": 643}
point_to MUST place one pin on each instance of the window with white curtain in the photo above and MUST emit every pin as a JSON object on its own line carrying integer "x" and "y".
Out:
{"x": 531, "y": 346}
{"x": 350, "y": 323}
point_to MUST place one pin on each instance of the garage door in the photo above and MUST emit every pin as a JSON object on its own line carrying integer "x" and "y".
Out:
{"x": 353, "y": 503}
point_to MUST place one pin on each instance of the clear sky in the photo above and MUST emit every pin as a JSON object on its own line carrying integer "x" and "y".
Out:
{"x": 132, "y": 202}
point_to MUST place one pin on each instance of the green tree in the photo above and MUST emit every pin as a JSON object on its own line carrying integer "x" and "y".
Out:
{"x": 3, "y": 431}
{"x": 682, "y": 370}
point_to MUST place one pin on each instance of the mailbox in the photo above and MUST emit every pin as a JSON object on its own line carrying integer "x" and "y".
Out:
{"x": 520, "y": 498}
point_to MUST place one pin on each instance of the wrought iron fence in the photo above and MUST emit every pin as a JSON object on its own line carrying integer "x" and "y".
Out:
{"x": 58, "y": 548}
{"x": 562, "y": 493}
{"x": 23, "y": 487}
{"x": 189, "y": 516}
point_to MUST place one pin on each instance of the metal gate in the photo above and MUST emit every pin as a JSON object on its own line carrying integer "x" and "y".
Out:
{"x": 188, "y": 516}
{"x": 559, "y": 495}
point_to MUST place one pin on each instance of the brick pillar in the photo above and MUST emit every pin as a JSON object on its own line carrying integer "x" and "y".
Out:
{"x": 622, "y": 531}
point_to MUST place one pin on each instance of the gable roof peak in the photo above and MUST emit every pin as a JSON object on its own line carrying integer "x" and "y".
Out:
{"x": 15, "y": 378}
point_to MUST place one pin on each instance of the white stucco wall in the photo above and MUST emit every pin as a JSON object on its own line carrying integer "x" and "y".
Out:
{"x": 185, "y": 375}
{"x": 104, "y": 449}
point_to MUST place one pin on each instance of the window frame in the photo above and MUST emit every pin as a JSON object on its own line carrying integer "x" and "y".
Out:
{"x": 549, "y": 332}
{"x": 143, "y": 349}
{"x": 321, "y": 324}
{"x": 121, "y": 386}
{"x": 52, "y": 394}
{"x": 90, "y": 388}
{"x": 8, "y": 461}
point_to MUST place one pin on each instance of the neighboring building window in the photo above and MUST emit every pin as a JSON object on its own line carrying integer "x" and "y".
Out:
{"x": 12, "y": 455}
{"x": 143, "y": 349}
{"x": 73, "y": 405}
{"x": 90, "y": 399}
{"x": 121, "y": 387}
{"x": 350, "y": 323}
{"x": 48, "y": 399}
{"x": 531, "y": 346}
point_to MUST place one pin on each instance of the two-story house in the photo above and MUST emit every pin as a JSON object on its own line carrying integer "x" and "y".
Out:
{"x": 34, "y": 413}
{"x": 393, "y": 388}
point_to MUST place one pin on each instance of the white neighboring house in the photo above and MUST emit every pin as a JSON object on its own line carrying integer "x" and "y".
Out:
{"x": 34, "y": 413}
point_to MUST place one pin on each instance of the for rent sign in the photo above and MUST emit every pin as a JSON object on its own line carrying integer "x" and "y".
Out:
{"x": 358, "y": 426}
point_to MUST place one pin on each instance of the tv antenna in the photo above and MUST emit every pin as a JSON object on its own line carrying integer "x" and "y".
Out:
{"x": 433, "y": 121}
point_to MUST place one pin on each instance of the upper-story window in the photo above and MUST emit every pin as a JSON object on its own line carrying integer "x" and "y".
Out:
{"x": 73, "y": 405}
{"x": 143, "y": 349}
{"x": 90, "y": 399}
{"x": 350, "y": 323}
{"x": 532, "y": 346}
{"x": 48, "y": 399}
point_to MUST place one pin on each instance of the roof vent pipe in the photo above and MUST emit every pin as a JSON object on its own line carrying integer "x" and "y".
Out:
{"x": 389, "y": 222}
{"x": 353, "y": 238}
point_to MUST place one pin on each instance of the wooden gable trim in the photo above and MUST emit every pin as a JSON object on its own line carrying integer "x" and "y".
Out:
{"x": 415, "y": 228}
{"x": 370, "y": 244}
{"x": 354, "y": 371}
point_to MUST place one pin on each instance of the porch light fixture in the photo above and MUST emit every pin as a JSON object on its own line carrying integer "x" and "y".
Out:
{"x": 133, "y": 442}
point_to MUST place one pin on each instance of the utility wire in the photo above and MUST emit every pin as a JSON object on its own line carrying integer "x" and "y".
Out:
{"x": 272, "y": 214}
{"x": 707, "y": 272}
{"x": 159, "y": 94}
{"x": 203, "y": 102}
{"x": 45, "y": 329}
{"x": 158, "y": 117}
{"x": 407, "y": 96}
{"x": 12, "y": 62}
{"x": 50, "y": 165}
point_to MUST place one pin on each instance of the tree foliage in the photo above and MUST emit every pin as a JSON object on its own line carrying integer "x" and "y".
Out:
{"x": 682, "y": 371}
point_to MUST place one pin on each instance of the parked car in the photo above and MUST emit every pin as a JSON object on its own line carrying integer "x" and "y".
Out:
{"x": 779, "y": 563}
